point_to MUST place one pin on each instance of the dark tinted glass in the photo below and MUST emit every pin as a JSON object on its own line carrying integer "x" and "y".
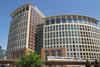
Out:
{"x": 52, "y": 21}
{"x": 57, "y": 20}
{"x": 69, "y": 20}
{"x": 63, "y": 20}
{"x": 47, "y": 22}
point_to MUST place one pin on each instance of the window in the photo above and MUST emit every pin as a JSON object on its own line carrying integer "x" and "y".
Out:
{"x": 57, "y": 20}
{"x": 57, "y": 41}
{"x": 27, "y": 8}
{"x": 63, "y": 20}
{"x": 45, "y": 35}
{"x": 62, "y": 27}
{"x": 23, "y": 9}
{"x": 63, "y": 40}
{"x": 47, "y": 22}
{"x": 66, "y": 33}
{"x": 45, "y": 29}
{"x": 69, "y": 20}
{"x": 53, "y": 34}
{"x": 53, "y": 28}
{"x": 75, "y": 20}
{"x": 53, "y": 53}
{"x": 50, "y": 34}
{"x": 54, "y": 41}
{"x": 66, "y": 40}
{"x": 52, "y": 21}
{"x": 59, "y": 27}
{"x": 68, "y": 27}
{"x": 56, "y": 27}
{"x": 59, "y": 34}
{"x": 74, "y": 27}
{"x": 63, "y": 33}
{"x": 50, "y": 28}
{"x": 65, "y": 27}
{"x": 60, "y": 41}
{"x": 71, "y": 27}
{"x": 80, "y": 20}
{"x": 50, "y": 41}
{"x": 56, "y": 34}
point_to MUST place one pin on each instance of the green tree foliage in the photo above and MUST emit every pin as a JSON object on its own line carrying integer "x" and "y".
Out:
{"x": 31, "y": 60}
{"x": 87, "y": 64}
{"x": 97, "y": 63}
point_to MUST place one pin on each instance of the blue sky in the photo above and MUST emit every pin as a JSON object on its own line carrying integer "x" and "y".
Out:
{"x": 48, "y": 8}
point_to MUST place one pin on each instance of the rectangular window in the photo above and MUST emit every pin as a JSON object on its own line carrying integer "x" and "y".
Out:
{"x": 53, "y": 34}
{"x": 62, "y": 27}
{"x": 53, "y": 28}
{"x": 66, "y": 40}
{"x": 45, "y": 29}
{"x": 59, "y": 34}
{"x": 54, "y": 41}
{"x": 56, "y": 34}
{"x": 50, "y": 28}
{"x": 75, "y": 20}
{"x": 63, "y": 20}
{"x": 57, "y": 41}
{"x": 57, "y": 20}
{"x": 63, "y": 33}
{"x": 27, "y": 8}
{"x": 59, "y": 27}
{"x": 47, "y": 22}
{"x": 66, "y": 33}
{"x": 80, "y": 20}
{"x": 65, "y": 27}
{"x": 69, "y": 20}
{"x": 52, "y": 21}
{"x": 68, "y": 27}
{"x": 63, "y": 40}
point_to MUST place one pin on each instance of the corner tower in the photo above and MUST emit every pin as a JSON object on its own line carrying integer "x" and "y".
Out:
{"x": 22, "y": 30}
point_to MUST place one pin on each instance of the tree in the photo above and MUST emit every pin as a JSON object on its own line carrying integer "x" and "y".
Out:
{"x": 97, "y": 63}
{"x": 87, "y": 64}
{"x": 31, "y": 60}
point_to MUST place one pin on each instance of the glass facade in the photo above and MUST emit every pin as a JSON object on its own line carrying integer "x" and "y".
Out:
{"x": 72, "y": 19}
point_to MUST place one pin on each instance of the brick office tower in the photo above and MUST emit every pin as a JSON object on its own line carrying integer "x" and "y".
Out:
{"x": 22, "y": 30}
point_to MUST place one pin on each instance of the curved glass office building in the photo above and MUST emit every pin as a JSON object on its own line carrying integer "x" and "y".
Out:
{"x": 80, "y": 35}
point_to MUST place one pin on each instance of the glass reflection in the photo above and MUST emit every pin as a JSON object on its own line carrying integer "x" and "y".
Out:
{"x": 52, "y": 21}
{"x": 57, "y": 20}
{"x": 75, "y": 20}
{"x": 69, "y": 20}
{"x": 63, "y": 20}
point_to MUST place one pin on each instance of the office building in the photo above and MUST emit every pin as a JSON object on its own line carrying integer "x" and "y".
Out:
{"x": 80, "y": 35}
{"x": 2, "y": 54}
{"x": 22, "y": 30}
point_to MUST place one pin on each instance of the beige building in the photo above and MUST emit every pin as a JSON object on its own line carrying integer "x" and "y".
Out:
{"x": 73, "y": 37}
{"x": 22, "y": 30}
{"x": 80, "y": 35}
